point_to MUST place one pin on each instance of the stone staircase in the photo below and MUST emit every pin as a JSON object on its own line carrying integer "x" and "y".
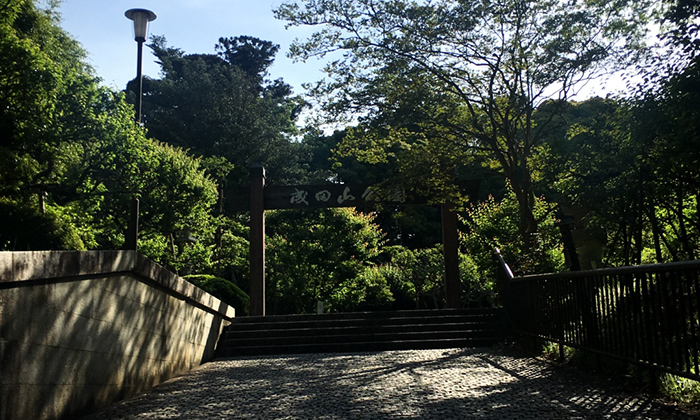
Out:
{"x": 362, "y": 331}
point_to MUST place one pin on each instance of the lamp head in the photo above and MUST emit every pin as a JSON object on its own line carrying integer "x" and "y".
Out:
{"x": 141, "y": 17}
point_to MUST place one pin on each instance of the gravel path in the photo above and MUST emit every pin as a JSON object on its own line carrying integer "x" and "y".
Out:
{"x": 474, "y": 383}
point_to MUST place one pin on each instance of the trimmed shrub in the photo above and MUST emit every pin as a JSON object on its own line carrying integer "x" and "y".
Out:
{"x": 224, "y": 290}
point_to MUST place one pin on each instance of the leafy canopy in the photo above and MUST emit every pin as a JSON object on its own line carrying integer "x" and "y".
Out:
{"x": 481, "y": 67}
{"x": 222, "y": 105}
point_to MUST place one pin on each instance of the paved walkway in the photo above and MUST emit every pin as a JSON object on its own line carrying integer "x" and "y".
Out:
{"x": 478, "y": 383}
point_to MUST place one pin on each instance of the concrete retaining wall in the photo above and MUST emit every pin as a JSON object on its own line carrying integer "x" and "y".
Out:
{"x": 80, "y": 330}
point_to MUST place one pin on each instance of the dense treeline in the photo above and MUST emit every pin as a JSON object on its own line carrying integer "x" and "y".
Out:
{"x": 431, "y": 97}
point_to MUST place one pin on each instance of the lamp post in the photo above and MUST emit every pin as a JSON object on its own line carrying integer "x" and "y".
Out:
{"x": 141, "y": 17}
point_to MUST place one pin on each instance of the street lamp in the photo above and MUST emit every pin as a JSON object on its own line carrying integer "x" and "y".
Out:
{"x": 141, "y": 17}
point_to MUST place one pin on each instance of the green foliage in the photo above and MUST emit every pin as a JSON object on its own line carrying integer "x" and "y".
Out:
{"x": 411, "y": 226}
{"x": 26, "y": 229}
{"x": 437, "y": 84}
{"x": 369, "y": 291}
{"x": 492, "y": 224}
{"x": 224, "y": 290}
{"x": 220, "y": 105}
{"x": 419, "y": 271}
{"x": 74, "y": 144}
{"x": 44, "y": 86}
{"x": 629, "y": 168}
{"x": 401, "y": 289}
{"x": 322, "y": 255}
{"x": 682, "y": 390}
{"x": 478, "y": 291}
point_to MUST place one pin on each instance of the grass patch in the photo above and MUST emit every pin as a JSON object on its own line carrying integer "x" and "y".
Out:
{"x": 681, "y": 390}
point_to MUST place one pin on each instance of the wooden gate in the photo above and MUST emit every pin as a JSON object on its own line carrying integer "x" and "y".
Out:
{"x": 260, "y": 197}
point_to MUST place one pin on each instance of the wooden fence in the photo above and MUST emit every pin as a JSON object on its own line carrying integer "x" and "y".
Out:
{"x": 648, "y": 315}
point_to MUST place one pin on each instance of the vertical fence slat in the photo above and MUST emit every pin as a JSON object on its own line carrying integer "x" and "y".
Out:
{"x": 648, "y": 327}
{"x": 642, "y": 353}
{"x": 694, "y": 298}
{"x": 628, "y": 313}
{"x": 610, "y": 336}
{"x": 681, "y": 320}
{"x": 561, "y": 318}
{"x": 576, "y": 303}
{"x": 619, "y": 322}
{"x": 612, "y": 307}
{"x": 670, "y": 325}
{"x": 660, "y": 318}
{"x": 600, "y": 309}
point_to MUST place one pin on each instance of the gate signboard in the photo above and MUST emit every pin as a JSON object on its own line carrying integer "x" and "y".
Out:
{"x": 330, "y": 195}
{"x": 259, "y": 198}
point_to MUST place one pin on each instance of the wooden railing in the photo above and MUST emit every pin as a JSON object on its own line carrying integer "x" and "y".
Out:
{"x": 648, "y": 315}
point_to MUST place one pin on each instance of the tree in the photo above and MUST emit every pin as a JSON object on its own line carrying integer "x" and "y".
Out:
{"x": 323, "y": 255}
{"x": 251, "y": 55}
{"x": 493, "y": 224}
{"x": 422, "y": 270}
{"x": 174, "y": 192}
{"x": 487, "y": 64}
{"x": 71, "y": 152}
{"x": 43, "y": 86}
{"x": 221, "y": 105}
{"x": 411, "y": 226}
{"x": 628, "y": 166}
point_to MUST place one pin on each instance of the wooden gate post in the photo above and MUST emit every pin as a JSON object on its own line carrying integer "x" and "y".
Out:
{"x": 257, "y": 241}
{"x": 450, "y": 243}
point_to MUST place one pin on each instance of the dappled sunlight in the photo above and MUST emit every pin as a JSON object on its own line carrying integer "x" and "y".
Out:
{"x": 83, "y": 336}
{"x": 479, "y": 383}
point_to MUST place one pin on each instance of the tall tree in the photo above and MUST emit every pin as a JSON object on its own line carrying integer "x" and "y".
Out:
{"x": 222, "y": 105}
{"x": 488, "y": 64}
{"x": 43, "y": 82}
{"x": 630, "y": 167}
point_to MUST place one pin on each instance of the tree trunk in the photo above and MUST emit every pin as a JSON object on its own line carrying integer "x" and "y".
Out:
{"x": 526, "y": 204}
{"x": 639, "y": 228}
{"x": 656, "y": 234}
{"x": 687, "y": 247}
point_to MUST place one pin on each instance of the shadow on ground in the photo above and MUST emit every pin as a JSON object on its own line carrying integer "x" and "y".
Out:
{"x": 478, "y": 383}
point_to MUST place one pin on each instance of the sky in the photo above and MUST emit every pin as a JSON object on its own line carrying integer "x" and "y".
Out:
{"x": 194, "y": 26}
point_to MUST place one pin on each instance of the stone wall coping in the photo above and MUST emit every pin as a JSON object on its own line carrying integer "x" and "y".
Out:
{"x": 37, "y": 266}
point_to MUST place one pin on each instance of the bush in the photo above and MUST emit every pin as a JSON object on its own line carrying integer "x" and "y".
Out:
{"x": 682, "y": 390}
{"x": 24, "y": 228}
{"x": 402, "y": 290}
{"x": 478, "y": 291}
{"x": 223, "y": 289}
{"x": 494, "y": 224}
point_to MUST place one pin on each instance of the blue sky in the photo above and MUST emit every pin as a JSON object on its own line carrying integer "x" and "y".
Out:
{"x": 191, "y": 25}
{"x": 195, "y": 27}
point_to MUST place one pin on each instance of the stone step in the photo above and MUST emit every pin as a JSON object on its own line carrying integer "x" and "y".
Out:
{"x": 313, "y": 323}
{"x": 361, "y": 331}
{"x": 323, "y": 337}
{"x": 335, "y": 330}
{"x": 368, "y": 346}
{"x": 406, "y": 314}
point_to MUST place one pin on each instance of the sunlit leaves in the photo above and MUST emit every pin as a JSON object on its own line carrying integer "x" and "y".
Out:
{"x": 322, "y": 255}
{"x": 464, "y": 76}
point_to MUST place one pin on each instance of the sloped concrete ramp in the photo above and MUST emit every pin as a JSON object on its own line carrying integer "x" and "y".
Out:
{"x": 472, "y": 383}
